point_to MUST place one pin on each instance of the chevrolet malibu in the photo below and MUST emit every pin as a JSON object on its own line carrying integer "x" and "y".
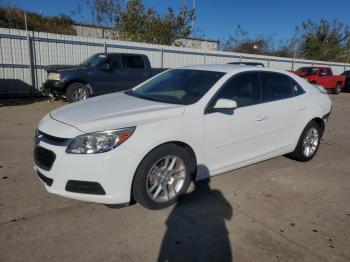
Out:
{"x": 147, "y": 144}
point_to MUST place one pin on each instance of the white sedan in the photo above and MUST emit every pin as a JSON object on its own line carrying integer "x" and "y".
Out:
{"x": 147, "y": 144}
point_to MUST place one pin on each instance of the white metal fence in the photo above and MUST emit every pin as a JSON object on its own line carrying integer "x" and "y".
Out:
{"x": 23, "y": 56}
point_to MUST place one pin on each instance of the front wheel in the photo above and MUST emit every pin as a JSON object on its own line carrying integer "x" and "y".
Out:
{"x": 308, "y": 143}
{"x": 77, "y": 92}
{"x": 162, "y": 176}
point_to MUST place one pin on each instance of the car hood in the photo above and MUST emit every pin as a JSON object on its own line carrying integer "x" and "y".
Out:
{"x": 58, "y": 68}
{"x": 114, "y": 111}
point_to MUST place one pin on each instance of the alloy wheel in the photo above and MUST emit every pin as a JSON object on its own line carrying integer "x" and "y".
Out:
{"x": 310, "y": 142}
{"x": 166, "y": 179}
{"x": 79, "y": 94}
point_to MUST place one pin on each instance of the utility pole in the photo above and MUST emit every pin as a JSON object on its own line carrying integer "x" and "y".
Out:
{"x": 25, "y": 21}
{"x": 31, "y": 66}
{"x": 193, "y": 8}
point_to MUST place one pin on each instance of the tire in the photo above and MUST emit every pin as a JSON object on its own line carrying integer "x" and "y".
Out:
{"x": 300, "y": 152}
{"x": 337, "y": 89}
{"x": 153, "y": 187}
{"x": 77, "y": 92}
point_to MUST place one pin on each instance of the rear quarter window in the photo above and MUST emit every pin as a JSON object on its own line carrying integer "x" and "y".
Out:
{"x": 135, "y": 61}
{"x": 275, "y": 86}
{"x": 297, "y": 89}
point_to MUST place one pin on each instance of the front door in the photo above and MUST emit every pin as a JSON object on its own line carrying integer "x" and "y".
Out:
{"x": 108, "y": 75}
{"x": 233, "y": 138}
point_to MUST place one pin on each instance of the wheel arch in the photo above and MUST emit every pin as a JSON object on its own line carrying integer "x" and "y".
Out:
{"x": 320, "y": 122}
{"x": 316, "y": 119}
{"x": 181, "y": 144}
{"x": 77, "y": 80}
{"x": 341, "y": 82}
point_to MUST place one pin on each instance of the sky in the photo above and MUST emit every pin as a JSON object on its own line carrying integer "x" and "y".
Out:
{"x": 217, "y": 19}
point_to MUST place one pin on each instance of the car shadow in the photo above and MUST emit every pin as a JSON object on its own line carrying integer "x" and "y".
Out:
{"x": 196, "y": 229}
{"x": 20, "y": 101}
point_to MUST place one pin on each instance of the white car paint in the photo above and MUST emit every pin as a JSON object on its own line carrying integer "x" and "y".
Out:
{"x": 220, "y": 142}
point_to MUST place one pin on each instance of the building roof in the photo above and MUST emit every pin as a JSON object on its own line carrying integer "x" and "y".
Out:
{"x": 199, "y": 39}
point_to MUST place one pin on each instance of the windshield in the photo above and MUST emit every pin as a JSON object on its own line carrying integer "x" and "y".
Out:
{"x": 177, "y": 86}
{"x": 93, "y": 60}
{"x": 308, "y": 70}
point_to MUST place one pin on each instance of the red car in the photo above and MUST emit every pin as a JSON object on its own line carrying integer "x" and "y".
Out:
{"x": 322, "y": 76}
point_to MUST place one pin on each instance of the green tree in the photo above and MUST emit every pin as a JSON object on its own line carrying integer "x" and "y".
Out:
{"x": 103, "y": 12}
{"x": 12, "y": 17}
{"x": 328, "y": 41}
{"x": 241, "y": 42}
{"x": 137, "y": 23}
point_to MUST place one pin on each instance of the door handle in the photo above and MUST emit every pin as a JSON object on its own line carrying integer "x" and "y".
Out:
{"x": 261, "y": 118}
{"x": 301, "y": 108}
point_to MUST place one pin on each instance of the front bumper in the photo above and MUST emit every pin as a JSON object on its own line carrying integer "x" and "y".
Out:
{"x": 54, "y": 84}
{"x": 113, "y": 171}
{"x": 54, "y": 87}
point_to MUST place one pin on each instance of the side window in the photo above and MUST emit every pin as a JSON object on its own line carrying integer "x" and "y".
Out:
{"x": 135, "y": 61}
{"x": 243, "y": 88}
{"x": 322, "y": 72}
{"x": 329, "y": 72}
{"x": 275, "y": 86}
{"x": 297, "y": 89}
{"x": 115, "y": 62}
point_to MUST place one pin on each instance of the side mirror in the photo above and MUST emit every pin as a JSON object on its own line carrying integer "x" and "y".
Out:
{"x": 105, "y": 67}
{"x": 224, "y": 105}
{"x": 322, "y": 73}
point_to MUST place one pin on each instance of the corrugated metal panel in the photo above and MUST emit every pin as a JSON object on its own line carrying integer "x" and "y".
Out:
{"x": 15, "y": 75}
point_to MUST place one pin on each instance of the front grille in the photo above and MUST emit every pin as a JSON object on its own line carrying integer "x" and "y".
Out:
{"x": 44, "y": 158}
{"x": 48, "y": 181}
{"x": 53, "y": 140}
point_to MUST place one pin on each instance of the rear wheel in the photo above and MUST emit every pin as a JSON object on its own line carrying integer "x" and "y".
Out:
{"x": 77, "y": 92}
{"x": 337, "y": 89}
{"x": 308, "y": 143}
{"x": 162, "y": 176}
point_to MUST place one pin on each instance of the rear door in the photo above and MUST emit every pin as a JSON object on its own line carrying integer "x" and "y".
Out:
{"x": 283, "y": 105}
{"x": 331, "y": 79}
{"x": 136, "y": 70}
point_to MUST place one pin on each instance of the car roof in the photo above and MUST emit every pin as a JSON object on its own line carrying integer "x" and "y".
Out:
{"x": 225, "y": 68}
{"x": 116, "y": 53}
{"x": 230, "y": 68}
{"x": 317, "y": 67}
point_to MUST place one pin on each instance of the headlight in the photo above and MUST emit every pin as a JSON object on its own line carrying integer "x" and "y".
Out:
{"x": 53, "y": 76}
{"x": 99, "y": 142}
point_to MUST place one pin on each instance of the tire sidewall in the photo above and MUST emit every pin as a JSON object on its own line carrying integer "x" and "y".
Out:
{"x": 72, "y": 87}
{"x": 337, "y": 89}
{"x": 300, "y": 150}
{"x": 139, "y": 190}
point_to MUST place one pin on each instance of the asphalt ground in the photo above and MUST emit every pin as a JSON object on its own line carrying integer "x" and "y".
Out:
{"x": 276, "y": 210}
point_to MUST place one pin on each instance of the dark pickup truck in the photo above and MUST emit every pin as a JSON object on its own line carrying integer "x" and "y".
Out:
{"x": 101, "y": 73}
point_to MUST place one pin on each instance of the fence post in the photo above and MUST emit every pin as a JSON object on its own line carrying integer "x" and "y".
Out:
{"x": 161, "y": 58}
{"x": 293, "y": 64}
{"x": 268, "y": 63}
{"x": 205, "y": 57}
{"x": 31, "y": 65}
{"x": 104, "y": 47}
{"x": 240, "y": 58}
